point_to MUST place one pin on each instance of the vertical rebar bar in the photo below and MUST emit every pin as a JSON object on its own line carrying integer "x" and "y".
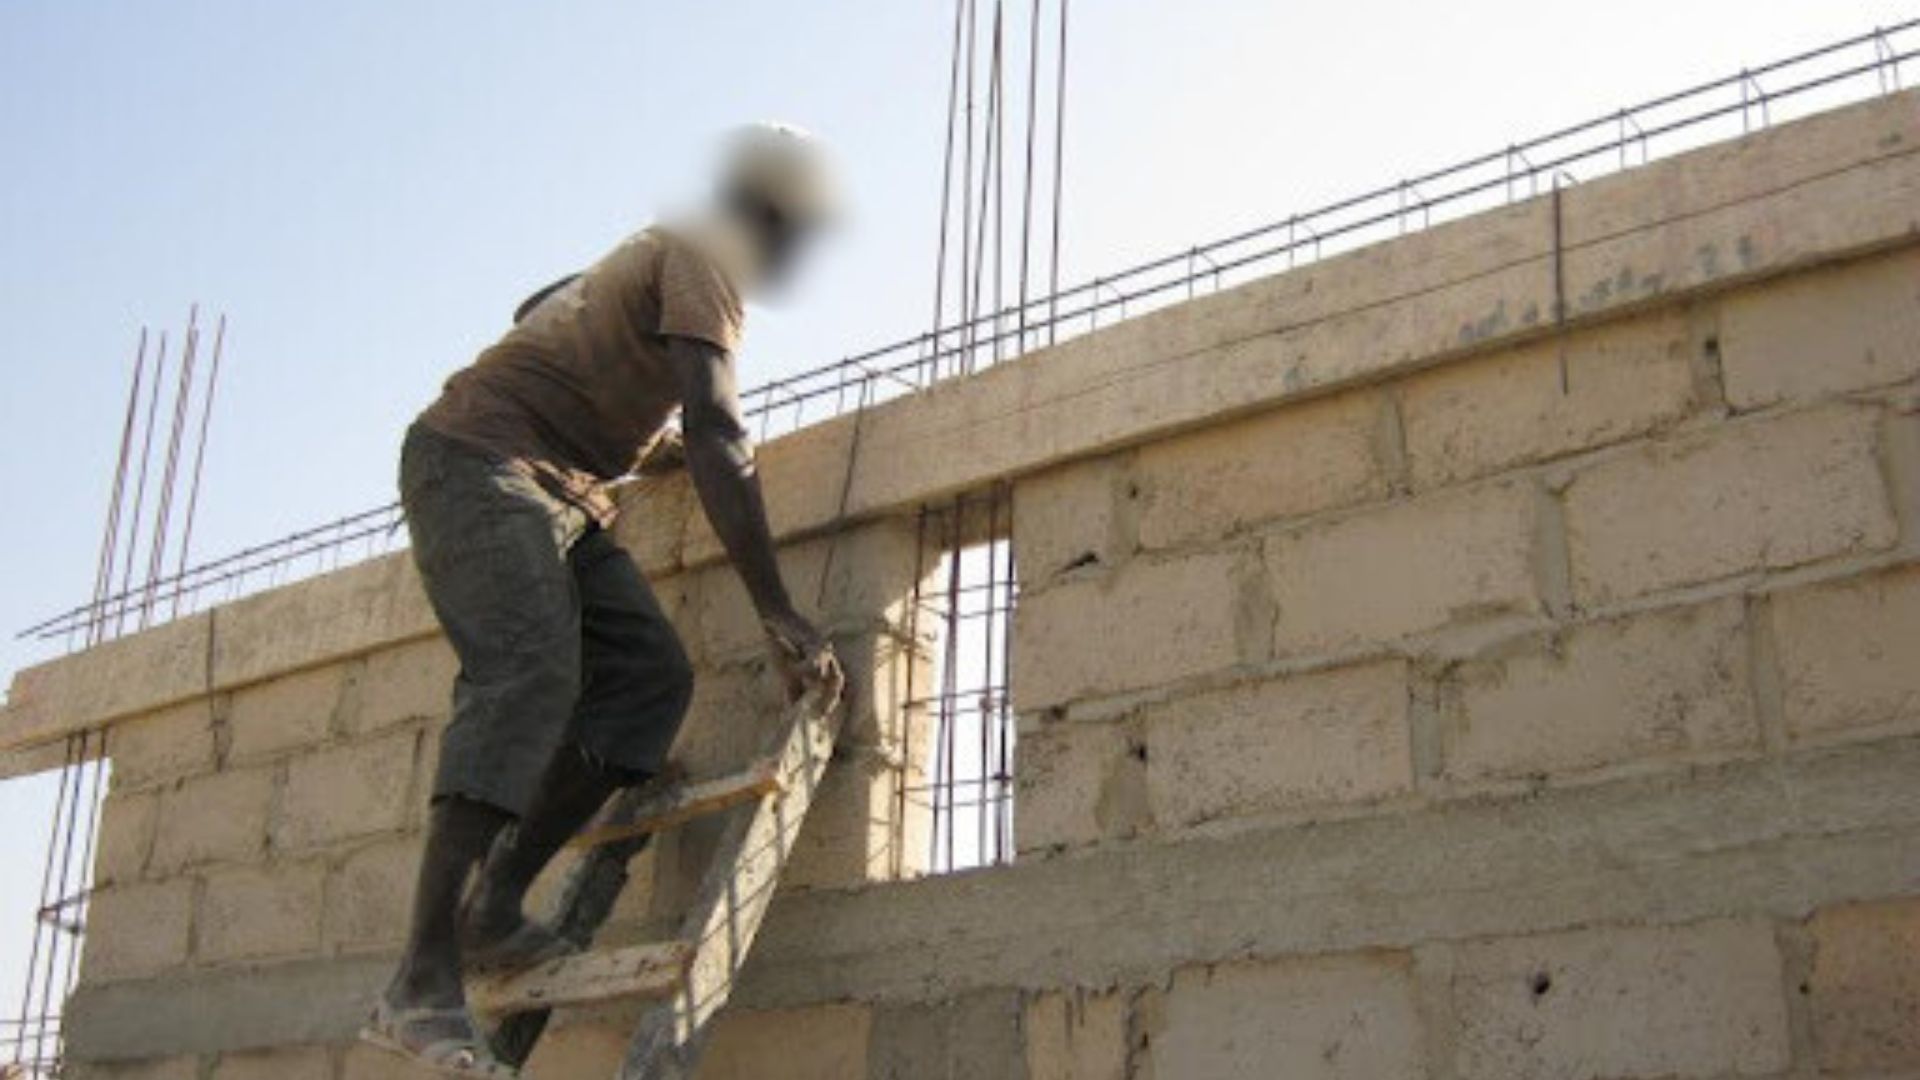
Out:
{"x": 911, "y": 702}
{"x": 946, "y": 196}
{"x": 999, "y": 172}
{"x": 965, "y": 343}
{"x": 199, "y": 461}
{"x": 140, "y": 489}
{"x": 83, "y": 897}
{"x": 47, "y": 1002}
{"x": 110, "y": 536}
{"x": 987, "y": 169}
{"x": 1026, "y": 189}
{"x": 163, "y": 509}
{"x": 1059, "y": 161}
{"x": 949, "y": 676}
{"x": 987, "y": 686}
{"x": 27, "y": 1016}
{"x": 1011, "y": 589}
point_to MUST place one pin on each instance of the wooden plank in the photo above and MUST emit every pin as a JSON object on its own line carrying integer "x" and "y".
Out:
{"x": 733, "y": 899}
{"x": 637, "y": 971}
{"x": 684, "y": 802}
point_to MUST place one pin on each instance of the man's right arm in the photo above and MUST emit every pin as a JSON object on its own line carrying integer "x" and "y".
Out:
{"x": 720, "y": 459}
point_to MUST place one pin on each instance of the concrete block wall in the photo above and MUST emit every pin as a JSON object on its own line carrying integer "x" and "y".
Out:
{"x": 1524, "y": 569}
{"x": 1408, "y": 686}
{"x": 1685, "y": 540}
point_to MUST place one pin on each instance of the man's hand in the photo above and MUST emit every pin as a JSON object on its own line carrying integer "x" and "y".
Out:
{"x": 805, "y": 656}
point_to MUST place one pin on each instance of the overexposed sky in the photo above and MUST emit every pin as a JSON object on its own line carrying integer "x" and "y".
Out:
{"x": 368, "y": 188}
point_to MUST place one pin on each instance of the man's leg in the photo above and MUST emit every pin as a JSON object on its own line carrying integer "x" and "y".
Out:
{"x": 636, "y": 690}
{"x": 489, "y": 553}
{"x": 459, "y": 832}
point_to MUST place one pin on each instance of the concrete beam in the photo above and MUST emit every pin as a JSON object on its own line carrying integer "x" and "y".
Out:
{"x": 361, "y": 609}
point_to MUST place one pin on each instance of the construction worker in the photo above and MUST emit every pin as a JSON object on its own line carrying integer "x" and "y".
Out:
{"x": 572, "y": 682}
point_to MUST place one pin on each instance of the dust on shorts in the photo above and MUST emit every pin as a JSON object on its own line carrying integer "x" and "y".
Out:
{"x": 560, "y": 639}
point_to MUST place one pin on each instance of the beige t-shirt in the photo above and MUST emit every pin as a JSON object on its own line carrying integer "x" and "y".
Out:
{"x": 578, "y": 390}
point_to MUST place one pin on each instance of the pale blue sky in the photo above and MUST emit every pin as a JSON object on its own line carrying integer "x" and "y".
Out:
{"x": 367, "y": 188}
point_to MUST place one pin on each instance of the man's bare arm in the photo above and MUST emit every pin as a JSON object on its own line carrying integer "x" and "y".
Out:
{"x": 720, "y": 458}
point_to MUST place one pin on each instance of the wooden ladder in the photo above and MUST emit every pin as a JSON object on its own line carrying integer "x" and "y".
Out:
{"x": 686, "y": 979}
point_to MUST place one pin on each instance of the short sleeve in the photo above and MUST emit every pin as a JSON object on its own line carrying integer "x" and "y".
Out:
{"x": 697, "y": 300}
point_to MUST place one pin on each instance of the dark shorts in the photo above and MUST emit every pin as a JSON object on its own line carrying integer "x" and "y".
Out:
{"x": 559, "y": 638}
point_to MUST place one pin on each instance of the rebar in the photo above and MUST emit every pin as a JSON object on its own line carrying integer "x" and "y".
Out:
{"x": 199, "y": 458}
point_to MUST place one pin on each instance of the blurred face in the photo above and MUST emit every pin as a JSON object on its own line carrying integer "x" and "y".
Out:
{"x": 780, "y": 242}
{"x": 782, "y": 247}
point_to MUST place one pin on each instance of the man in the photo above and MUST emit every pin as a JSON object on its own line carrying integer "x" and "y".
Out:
{"x": 572, "y": 683}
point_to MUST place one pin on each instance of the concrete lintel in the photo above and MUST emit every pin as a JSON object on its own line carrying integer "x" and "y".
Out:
{"x": 1762, "y": 839}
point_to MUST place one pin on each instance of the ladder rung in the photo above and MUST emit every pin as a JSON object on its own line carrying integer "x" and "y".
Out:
{"x": 686, "y": 801}
{"x": 637, "y": 971}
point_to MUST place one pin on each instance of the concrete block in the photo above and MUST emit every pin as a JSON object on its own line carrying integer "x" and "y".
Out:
{"x": 137, "y": 930}
{"x": 161, "y": 746}
{"x": 734, "y": 716}
{"x": 1079, "y": 784}
{"x": 823, "y": 1042}
{"x": 1827, "y": 331}
{"x": 280, "y": 1063}
{"x": 850, "y": 836}
{"x": 1295, "y": 460}
{"x": 1700, "y": 1000}
{"x": 1332, "y": 1019}
{"x": 291, "y": 712}
{"x": 1386, "y": 573}
{"x": 138, "y": 675}
{"x": 127, "y": 822}
{"x": 1335, "y": 737}
{"x": 972, "y": 1037}
{"x": 1148, "y": 623}
{"x": 1485, "y": 414}
{"x": 310, "y": 623}
{"x": 1077, "y": 1036}
{"x": 1755, "y": 496}
{"x": 216, "y": 818}
{"x": 1850, "y": 654}
{"x": 1070, "y": 517}
{"x": 346, "y": 791}
{"x": 1865, "y": 985}
{"x": 885, "y": 673}
{"x": 370, "y": 895}
{"x": 406, "y": 683}
{"x": 253, "y": 913}
{"x": 1674, "y": 681}
{"x": 652, "y": 525}
{"x": 873, "y": 568}
{"x": 633, "y": 907}
{"x": 802, "y": 473}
